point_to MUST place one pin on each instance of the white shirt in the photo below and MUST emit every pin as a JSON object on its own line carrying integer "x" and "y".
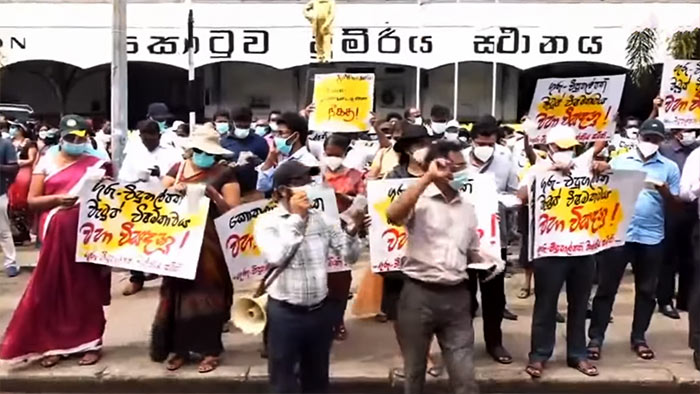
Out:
{"x": 690, "y": 178}
{"x": 138, "y": 160}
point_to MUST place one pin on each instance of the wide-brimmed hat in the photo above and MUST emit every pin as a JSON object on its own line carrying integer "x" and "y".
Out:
{"x": 411, "y": 134}
{"x": 206, "y": 139}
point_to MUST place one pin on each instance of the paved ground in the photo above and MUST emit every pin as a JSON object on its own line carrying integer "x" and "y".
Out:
{"x": 360, "y": 364}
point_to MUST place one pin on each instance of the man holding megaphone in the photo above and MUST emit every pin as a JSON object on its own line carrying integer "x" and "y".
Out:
{"x": 296, "y": 241}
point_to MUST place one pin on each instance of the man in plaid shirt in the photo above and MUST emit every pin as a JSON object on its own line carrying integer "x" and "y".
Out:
{"x": 297, "y": 240}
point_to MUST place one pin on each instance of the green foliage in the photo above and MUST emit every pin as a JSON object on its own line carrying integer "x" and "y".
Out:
{"x": 685, "y": 45}
{"x": 641, "y": 47}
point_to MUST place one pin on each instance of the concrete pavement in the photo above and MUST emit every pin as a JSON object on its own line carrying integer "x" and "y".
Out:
{"x": 360, "y": 364}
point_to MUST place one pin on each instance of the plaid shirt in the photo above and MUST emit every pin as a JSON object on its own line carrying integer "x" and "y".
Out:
{"x": 304, "y": 282}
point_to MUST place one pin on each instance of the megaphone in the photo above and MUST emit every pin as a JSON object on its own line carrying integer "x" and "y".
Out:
{"x": 249, "y": 314}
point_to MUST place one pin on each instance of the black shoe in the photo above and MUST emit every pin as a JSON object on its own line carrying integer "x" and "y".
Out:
{"x": 508, "y": 315}
{"x": 696, "y": 359}
{"x": 560, "y": 318}
{"x": 669, "y": 311}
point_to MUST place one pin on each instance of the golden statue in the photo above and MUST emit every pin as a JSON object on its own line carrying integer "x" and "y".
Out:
{"x": 321, "y": 14}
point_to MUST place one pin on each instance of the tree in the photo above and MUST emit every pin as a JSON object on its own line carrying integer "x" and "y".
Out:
{"x": 642, "y": 45}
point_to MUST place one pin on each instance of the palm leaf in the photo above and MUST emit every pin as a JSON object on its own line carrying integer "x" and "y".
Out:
{"x": 641, "y": 47}
{"x": 685, "y": 44}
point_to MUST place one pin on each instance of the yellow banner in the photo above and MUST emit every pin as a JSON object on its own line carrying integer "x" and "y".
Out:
{"x": 343, "y": 103}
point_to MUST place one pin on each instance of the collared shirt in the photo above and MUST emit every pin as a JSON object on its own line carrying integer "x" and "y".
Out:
{"x": 647, "y": 225}
{"x": 440, "y": 233}
{"x": 252, "y": 143}
{"x": 304, "y": 282}
{"x": 690, "y": 178}
{"x": 677, "y": 152}
{"x": 139, "y": 159}
{"x": 302, "y": 155}
{"x": 500, "y": 165}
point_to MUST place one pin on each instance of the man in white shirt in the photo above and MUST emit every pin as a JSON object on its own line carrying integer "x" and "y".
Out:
{"x": 145, "y": 163}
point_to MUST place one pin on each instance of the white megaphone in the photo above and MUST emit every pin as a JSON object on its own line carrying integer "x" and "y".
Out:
{"x": 249, "y": 314}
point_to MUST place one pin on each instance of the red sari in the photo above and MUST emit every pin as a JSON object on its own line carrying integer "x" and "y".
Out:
{"x": 60, "y": 312}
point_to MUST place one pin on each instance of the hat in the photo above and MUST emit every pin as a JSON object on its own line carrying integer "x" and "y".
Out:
{"x": 453, "y": 124}
{"x": 206, "y": 139}
{"x": 652, "y": 127}
{"x": 159, "y": 111}
{"x": 73, "y": 124}
{"x": 411, "y": 133}
{"x": 289, "y": 170}
{"x": 562, "y": 136}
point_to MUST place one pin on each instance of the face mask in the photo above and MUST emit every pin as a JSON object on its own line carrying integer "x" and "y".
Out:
{"x": 261, "y": 130}
{"x": 203, "y": 160}
{"x": 647, "y": 149}
{"x": 563, "y": 157}
{"x": 418, "y": 121}
{"x": 419, "y": 155}
{"x": 241, "y": 133}
{"x": 332, "y": 162}
{"x": 483, "y": 153}
{"x": 43, "y": 134}
{"x": 439, "y": 127}
{"x": 273, "y": 126}
{"x": 222, "y": 127}
{"x": 459, "y": 179}
{"x": 163, "y": 126}
{"x": 632, "y": 132}
{"x": 73, "y": 149}
{"x": 452, "y": 136}
{"x": 282, "y": 146}
{"x": 13, "y": 132}
{"x": 687, "y": 138}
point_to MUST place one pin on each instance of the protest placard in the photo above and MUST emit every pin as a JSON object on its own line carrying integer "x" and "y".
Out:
{"x": 343, "y": 102}
{"x": 581, "y": 214}
{"x": 236, "y": 234}
{"x": 388, "y": 243}
{"x": 153, "y": 230}
{"x": 680, "y": 93}
{"x": 588, "y": 104}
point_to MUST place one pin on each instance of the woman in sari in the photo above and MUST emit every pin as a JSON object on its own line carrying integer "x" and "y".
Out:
{"x": 191, "y": 313}
{"x": 18, "y": 191}
{"x": 60, "y": 313}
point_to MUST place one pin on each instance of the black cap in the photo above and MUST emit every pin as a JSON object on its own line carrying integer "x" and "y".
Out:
{"x": 652, "y": 127}
{"x": 159, "y": 111}
{"x": 290, "y": 170}
{"x": 73, "y": 124}
{"x": 411, "y": 133}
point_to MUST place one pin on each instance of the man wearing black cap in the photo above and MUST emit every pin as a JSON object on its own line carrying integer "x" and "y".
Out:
{"x": 296, "y": 241}
{"x": 644, "y": 246}
{"x": 160, "y": 113}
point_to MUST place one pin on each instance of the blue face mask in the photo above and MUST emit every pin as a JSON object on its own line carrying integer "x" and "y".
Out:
{"x": 261, "y": 130}
{"x": 459, "y": 180}
{"x": 73, "y": 149}
{"x": 282, "y": 146}
{"x": 203, "y": 160}
{"x": 162, "y": 125}
{"x": 222, "y": 127}
{"x": 13, "y": 132}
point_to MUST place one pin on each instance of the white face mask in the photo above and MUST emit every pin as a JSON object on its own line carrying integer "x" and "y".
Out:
{"x": 241, "y": 133}
{"x": 452, "y": 136}
{"x": 647, "y": 149}
{"x": 632, "y": 132}
{"x": 439, "y": 127}
{"x": 483, "y": 153}
{"x": 418, "y": 120}
{"x": 563, "y": 157}
{"x": 332, "y": 162}
{"x": 687, "y": 138}
{"x": 419, "y": 155}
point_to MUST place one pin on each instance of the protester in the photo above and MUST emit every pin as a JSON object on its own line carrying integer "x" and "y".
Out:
{"x": 146, "y": 163}
{"x": 241, "y": 138}
{"x": 347, "y": 183}
{"x": 160, "y": 113}
{"x": 104, "y": 137}
{"x": 644, "y": 246}
{"x": 4, "y": 129}
{"x": 17, "y": 193}
{"x": 289, "y": 145}
{"x": 551, "y": 273}
{"x": 191, "y": 313}
{"x": 222, "y": 122}
{"x": 442, "y": 240}
{"x": 386, "y": 158}
{"x": 60, "y": 313}
{"x": 8, "y": 172}
{"x": 439, "y": 116}
{"x": 297, "y": 240}
{"x": 485, "y": 159}
{"x": 679, "y": 225}
{"x": 413, "y": 115}
{"x": 48, "y": 138}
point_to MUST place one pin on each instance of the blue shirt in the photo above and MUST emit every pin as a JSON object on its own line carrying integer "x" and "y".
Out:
{"x": 647, "y": 225}
{"x": 252, "y": 143}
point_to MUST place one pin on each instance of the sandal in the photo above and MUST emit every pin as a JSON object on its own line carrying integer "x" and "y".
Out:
{"x": 208, "y": 364}
{"x": 535, "y": 370}
{"x": 341, "y": 333}
{"x": 90, "y": 358}
{"x": 175, "y": 363}
{"x": 436, "y": 371}
{"x": 381, "y": 318}
{"x": 593, "y": 353}
{"x": 50, "y": 361}
{"x": 398, "y": 373}
{"x": 643, "y": 351}
{"x": 584, "y": 367}
{"x": 524, "y": 293}
{"x": 500, "y": 355}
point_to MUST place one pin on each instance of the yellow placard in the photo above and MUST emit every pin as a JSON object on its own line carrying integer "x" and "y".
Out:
{"x": 343, "y": 103}
{"x": 680, "y": 92}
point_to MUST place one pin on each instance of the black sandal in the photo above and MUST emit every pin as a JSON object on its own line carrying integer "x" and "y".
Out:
{"x": 584, "y": 367}
{"x": 593, "y": 353}
{"x": 500, "y": 355}
{"x": 643, "y": 351}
